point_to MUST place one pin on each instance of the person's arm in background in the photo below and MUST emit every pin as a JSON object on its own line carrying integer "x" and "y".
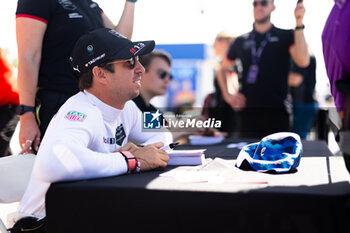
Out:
{"x": 299, "y": 50}
{"x": 29, "y": 35}
{"x": 236, "y": 100}
{"x": 295, "y": 79}
{"x": 296, "y": 75}
{"x": 126, "y": 21}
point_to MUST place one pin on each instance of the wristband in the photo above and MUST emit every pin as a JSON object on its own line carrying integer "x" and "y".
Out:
{"x": 23, "y": 109}
{"x": 131, "y": 160}
{"x": 300, "y": 27}
{"x": 131, "y": 0}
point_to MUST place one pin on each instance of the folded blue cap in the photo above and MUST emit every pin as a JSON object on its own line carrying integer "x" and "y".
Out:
{"x": 279, "y": 152}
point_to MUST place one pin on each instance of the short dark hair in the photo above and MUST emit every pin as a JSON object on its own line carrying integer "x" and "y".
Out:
{"x": 146, "y": 60}
{"x": 85, "y": 80}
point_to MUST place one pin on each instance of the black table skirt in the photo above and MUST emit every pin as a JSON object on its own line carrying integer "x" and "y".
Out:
{"x": 148, "y": 203}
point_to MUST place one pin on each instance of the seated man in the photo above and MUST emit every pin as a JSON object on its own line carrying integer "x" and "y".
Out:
{"x": 87, "y": 137}
{"x": 155, "y": 80}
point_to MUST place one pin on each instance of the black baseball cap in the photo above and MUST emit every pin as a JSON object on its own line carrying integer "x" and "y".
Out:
{"x": 102, "y": 45}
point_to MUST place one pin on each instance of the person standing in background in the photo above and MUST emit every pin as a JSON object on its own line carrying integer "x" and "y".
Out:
{"x": 302, "y": 83}
{"x": 265, "y": 54}
{"x": 46, "y": 32}
{"x": 336, "y": 53}
{"x": 214, "y": 104}
{"x": 8, "y": 104}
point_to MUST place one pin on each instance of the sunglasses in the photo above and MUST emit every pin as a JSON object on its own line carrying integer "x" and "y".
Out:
{"x": 262, "y": 3}
{"x": 131, "y": 62}
{"x": 163, "y": 74}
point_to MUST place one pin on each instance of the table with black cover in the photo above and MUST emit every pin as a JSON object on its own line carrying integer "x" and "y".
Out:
{"x": 315, "y": 198}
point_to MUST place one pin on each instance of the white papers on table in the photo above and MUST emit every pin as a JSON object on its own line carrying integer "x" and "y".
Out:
{"x": 216, "y": 171}
{"x": 205, "y": 140}
{"x": 221, "y": 177}
{"x": 186, "y": 157}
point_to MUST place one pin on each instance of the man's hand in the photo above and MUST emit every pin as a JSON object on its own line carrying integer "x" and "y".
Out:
{"x": 299, "y": 13}
{"x": 236, "y": 101}
{"x": 131, "y": 147}
{"x": 29, "y": 134}
{"x": 151, "y": 157}
{"x": 295, "y": 79}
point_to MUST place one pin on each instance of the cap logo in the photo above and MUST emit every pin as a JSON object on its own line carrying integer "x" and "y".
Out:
{"x": 90, "y": 48}
{"x": 116, "y": 34}
{"x": 132, "y": 50}
{"x": 95, "y": 60}
{"x": 76, "y": 68}
{"x": 137, "y": 47}
{"x": 262, "y": 151}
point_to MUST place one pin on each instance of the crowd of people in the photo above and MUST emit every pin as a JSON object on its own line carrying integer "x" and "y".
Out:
{"x": 83, "y": 85}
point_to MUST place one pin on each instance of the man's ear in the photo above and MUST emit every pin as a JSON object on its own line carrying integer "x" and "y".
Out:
{"x": 99, "y": 74}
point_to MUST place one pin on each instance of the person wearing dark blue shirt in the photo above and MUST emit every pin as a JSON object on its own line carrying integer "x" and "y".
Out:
{"x": 264, "y": 53}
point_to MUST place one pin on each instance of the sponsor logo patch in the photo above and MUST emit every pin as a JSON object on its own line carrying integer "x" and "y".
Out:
{"x": 107, "y": 140}
{"x": 74, "y": 15}
{"x": 67, "y": 4}
{"x": 75, "y": 116}
{"x": 90, "y": 48}
{"x": 120, "y": 135}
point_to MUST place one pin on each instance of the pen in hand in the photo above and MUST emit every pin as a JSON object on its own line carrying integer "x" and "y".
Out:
{"x": 169, "y": 146}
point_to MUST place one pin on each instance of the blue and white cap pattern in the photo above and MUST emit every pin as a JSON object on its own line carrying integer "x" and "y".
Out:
{"x": 279, "y": 152}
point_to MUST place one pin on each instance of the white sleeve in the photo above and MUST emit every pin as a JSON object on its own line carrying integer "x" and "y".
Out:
{"x": 64, "y": 154}
{"x": 137, "y": 135}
